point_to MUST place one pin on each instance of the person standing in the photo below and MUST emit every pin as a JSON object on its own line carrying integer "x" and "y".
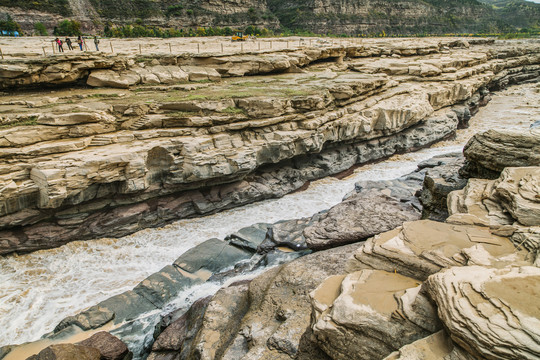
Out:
{"x": 80, "y": 41}
{"x": 96, "y": 42}
{"x": 59, "y": 43}
{"x": 68, "y": 42}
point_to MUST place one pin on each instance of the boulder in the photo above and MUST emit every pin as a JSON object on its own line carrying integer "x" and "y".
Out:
{"x": 179, "y": 334}
{"x": 110, "y": 78}
{"x": 67, "y": 352}
{"x": 511, "y": 201}
{"x": 518, "y": 192}
{"x": 370, "y": 313}
{"x": 221, "y": 322}
{"x": 250, "y": 237}
{"x": 288, "y": 233}
{"x": 168, "y": 74}
{"x": 199, "y": 73}
{"x": 110, "y": 347}
{"x": 358, "y": 217}
{"x": 491, "y": 313}
{"x": 212, "y": 255}
{"x": 489, "y": 152}
{"x": 422, "y": 248}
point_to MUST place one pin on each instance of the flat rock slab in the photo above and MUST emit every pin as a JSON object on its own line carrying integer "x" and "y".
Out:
{"x": 491, "y": 313}
{"x": 421, "y": 248}
{"x": 212, "y": 255}
{"x": 434, "y": 347}
{"x": 160, "y": 287}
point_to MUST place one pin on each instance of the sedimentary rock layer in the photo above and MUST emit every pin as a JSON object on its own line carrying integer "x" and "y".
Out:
{"x": 110, "y": 162}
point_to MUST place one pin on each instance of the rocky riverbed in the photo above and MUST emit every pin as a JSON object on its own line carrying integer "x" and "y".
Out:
{"x": 404, "y": 127}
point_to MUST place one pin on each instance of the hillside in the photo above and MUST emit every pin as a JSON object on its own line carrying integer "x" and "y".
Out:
{"x": 352, "y": 17}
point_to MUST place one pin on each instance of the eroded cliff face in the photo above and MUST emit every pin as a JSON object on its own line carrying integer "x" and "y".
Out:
{"x": 109, "y": 162}
{"x": 373, "y": 16}
{"x": 318, "y": 16}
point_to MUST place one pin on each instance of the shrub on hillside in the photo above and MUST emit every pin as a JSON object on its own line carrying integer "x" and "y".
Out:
{"x": 68, "y": 28}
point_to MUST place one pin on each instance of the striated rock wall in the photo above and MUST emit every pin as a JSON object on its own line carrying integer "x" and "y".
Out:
{"x": 108, "y": 164}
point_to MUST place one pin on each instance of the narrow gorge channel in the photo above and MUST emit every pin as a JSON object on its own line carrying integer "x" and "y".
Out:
{"x": 39, "y": 289}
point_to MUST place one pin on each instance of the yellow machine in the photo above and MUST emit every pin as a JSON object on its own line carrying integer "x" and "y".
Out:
{"x": 239, "y": 36}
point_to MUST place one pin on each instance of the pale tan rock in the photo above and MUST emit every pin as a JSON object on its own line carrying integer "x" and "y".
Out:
{"x": 491, "y": 313}
{"x": 369, "y": 314}
{"x": 199, "y": 73}
{"x": 488, "y": 153}
{"x": 438, "y": 346}
{"x": 110, "y": 78}
{"x": 168, "y": 74}
{"x": 421, "y": 248}
{"x": 518, "y": 191}
{"x": 75, "y": 118}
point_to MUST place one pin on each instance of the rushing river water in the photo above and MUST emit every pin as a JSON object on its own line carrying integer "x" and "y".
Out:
{"x": 38, "y": 290}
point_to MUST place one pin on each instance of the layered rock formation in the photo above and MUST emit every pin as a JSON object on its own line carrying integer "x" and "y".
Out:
{"x": 386, "y": 298}
{"x": 107, "y": 163}
{"x": 394, "y": 295}
{"x": 336, "y": 17}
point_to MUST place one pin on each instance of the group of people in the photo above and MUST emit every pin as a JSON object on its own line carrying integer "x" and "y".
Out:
{"x": 80, "y": 42}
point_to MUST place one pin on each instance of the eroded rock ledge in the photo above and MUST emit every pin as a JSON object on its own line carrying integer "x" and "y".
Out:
{"x": 455, "y": 290}
{"x": 108, "y": 163}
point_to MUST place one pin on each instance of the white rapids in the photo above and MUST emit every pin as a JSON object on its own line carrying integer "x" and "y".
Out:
{"x": 38, "y": 290}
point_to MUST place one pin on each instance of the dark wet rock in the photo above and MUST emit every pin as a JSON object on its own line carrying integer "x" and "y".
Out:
{"x": 159, "y": 288}
{"x": 287, "y": 233}
{"x": 4, "y": 350}
{"x": 110, "y": 347}
{"x": 439, "y": 181}
{"x": 89, "y": 319}
{"x": 212, "y": 255}
{"x": 123, "y": 307}
{"x": 67, "y": 352}
{"x": 180, "y": 333}
{"x": 250, "y": 237}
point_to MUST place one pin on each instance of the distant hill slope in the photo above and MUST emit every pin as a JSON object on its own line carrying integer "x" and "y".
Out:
{"x": 519, "y": 13}
{"x": 392, "y": 17}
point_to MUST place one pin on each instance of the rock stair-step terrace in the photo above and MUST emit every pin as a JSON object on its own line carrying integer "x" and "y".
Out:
{"x": 88, "y": 163}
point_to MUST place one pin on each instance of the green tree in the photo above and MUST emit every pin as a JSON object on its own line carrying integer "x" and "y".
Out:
{"x": 68, "y": 28}
{"x": 10, "y": 25}
{"x": 40, "y": 29}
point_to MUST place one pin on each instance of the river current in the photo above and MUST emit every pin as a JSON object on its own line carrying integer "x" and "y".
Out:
{"x": 38, "y": 290}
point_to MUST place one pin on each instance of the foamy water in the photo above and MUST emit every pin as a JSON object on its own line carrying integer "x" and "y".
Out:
{"x": 38, "y": 290}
